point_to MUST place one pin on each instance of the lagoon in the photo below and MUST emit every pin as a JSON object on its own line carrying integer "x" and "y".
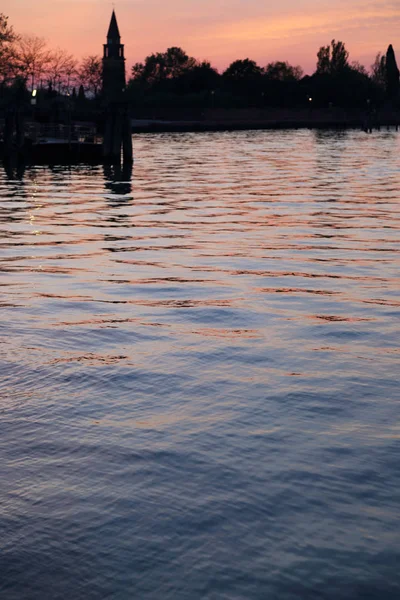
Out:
{"x": 199, "y": 389}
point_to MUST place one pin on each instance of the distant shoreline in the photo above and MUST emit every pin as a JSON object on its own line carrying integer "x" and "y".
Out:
{"x": 204, "y": 126}
{"x": 201, "y": 126}
{"x": 239, "y": 120}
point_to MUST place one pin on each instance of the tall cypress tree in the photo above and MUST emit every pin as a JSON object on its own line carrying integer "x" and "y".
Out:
{"x": 392, "y": 74}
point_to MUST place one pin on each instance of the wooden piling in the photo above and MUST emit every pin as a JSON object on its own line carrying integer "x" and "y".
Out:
{"x": 108, "y": 136}
{"x": 20, "y": 131}
{"x": 117, "y": 135}
{"x": 9, "y": 130}
{"x": 127, "y": 150}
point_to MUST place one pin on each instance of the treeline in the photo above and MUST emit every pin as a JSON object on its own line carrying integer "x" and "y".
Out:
{"x": 175, "y": 79}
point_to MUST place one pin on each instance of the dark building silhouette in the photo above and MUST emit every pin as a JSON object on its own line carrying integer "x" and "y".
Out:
{"x": 117, "y": 123}
{"x": 113, "y": 62}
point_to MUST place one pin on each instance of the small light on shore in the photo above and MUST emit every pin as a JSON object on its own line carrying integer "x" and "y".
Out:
{"x": 34, "y": 92}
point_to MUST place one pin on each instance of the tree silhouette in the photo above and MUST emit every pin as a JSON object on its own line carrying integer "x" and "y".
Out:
{"x": 357, "y": 67}
{"x": 90, "y": 73}
{"x": 336, "y": 82}
{"x": 8, "y": 59}
{"x": 202, "y": 77}
{"x": 392, "y": 74}
{"x": 242, "y": 70}
{"x": 333, "y": 59}
{"x": 378, "y": 70}
{"x": 61, "y": 70}
{"x": 6, "y": 31}
{"x": 283, "y": 71}
{"x": 159, "y": 67}
{"x": 33, "y": 57}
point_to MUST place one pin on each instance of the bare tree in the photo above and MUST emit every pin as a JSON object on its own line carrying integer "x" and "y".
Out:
{"x": 61, "y": 70}
{"x": 70, "y": 73}
{"x": 378, "y": 70}
{"x": 33, "y": 57}
{"x": 90, "y": 74}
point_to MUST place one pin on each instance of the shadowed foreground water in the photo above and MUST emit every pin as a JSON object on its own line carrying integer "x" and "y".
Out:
{"x": 199, "y": 372}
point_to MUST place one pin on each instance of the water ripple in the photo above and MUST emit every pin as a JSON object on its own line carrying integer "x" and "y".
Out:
{"x": 199, "y": 371}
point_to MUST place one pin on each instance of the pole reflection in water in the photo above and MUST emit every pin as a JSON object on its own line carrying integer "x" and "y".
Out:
{"x": 118, "y": 179}
{"x": 14, "y": 169}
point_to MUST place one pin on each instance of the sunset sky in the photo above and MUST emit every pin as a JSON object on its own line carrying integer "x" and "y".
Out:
{"x": 216, "y": 30}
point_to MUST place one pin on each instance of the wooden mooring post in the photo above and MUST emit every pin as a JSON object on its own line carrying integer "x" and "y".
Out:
{"x": 117, "y": 134}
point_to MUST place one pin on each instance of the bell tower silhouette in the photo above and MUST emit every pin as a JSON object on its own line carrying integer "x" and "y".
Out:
{"x": 113, "y": 62}
{"x": 117, "y": 122}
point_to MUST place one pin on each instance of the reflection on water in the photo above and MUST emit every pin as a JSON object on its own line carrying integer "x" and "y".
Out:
{"x": 118, "y": 179}
{"x": 199, "y": 371}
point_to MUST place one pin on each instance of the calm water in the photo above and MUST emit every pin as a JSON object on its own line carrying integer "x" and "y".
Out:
{"x": 199, "y": 372}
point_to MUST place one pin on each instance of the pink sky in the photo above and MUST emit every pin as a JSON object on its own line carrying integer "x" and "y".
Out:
{"x": 217, "y": 30}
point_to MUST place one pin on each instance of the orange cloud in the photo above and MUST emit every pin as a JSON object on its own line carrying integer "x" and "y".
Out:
{"x": 300, "y": 24}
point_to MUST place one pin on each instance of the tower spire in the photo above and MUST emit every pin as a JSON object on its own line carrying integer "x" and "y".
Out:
{"x": 113, "y": 35}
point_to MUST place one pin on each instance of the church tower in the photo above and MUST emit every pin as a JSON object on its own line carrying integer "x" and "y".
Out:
{"x": 117, "y": 122}
{"x": 113, "y": 62}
